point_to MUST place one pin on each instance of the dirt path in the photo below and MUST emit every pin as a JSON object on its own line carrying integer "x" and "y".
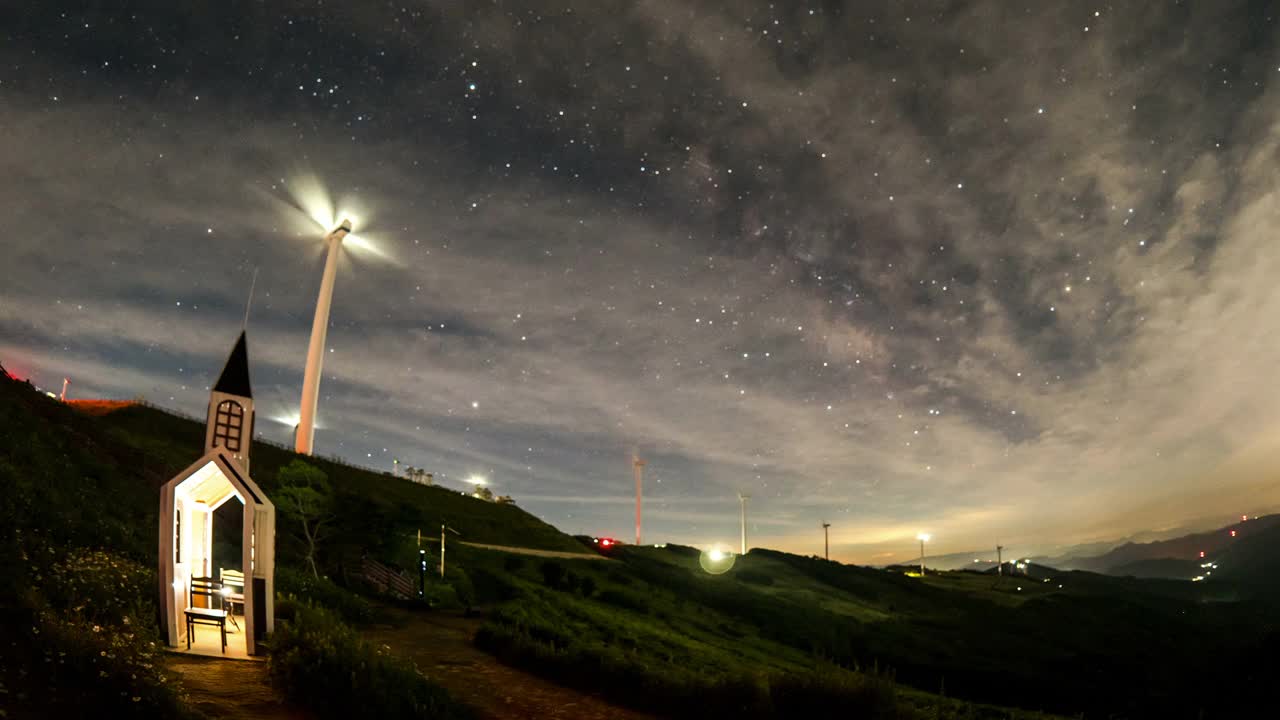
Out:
{"x": 231, "y": 688}
{"x": 540, "y": 553}
{"x": 441, "y": 646}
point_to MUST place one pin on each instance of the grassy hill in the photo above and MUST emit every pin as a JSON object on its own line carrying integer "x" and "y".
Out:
{"x": 167, "y": 444}
{"x": 651, "y": 629}
{"x": 1074, "y": 643}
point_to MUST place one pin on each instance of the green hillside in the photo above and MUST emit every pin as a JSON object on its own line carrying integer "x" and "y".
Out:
{"x": 1076, "y": 643}
{"x": 778, "y": 634}
{"x": 167, "y": 444}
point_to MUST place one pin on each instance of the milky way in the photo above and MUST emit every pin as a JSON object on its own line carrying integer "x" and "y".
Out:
{"x": 998, "y": 271}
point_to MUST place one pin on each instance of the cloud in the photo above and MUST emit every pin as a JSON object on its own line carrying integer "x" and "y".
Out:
{"x": 991, "y": 275}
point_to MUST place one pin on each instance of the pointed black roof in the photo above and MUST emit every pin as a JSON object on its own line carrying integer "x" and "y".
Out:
{"x": 234, "y": 379}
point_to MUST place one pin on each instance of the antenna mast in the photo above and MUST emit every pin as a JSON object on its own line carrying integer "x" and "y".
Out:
{"x": 638, "y": 466}
{"x": 249, "y": 303}
{"x": 826, "y": 539}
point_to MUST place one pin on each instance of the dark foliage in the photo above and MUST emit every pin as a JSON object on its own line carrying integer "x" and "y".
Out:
{"x": 321, "y": 663}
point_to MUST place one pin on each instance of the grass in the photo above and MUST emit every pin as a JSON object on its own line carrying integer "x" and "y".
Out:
{"x": 1097, "y": 646}
{"x": 776, "y": 635}
{"x": 656, "y": 636}
{"x": 79, "y": 631}
{"x": 322, "y": 663}
{"x": 384, "y": 513}
{"x": 78, "y": 517}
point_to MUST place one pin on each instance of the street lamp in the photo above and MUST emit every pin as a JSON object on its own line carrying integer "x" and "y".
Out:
{"x": 305, "y": 438}
{"x": 923, "y": 538}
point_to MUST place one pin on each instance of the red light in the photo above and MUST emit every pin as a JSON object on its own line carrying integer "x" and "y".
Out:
{"x": 606, "y": 542}
{"x": 1233, "y": 533}
{"x": 1244, "y": 518}
{"x": 1201, "y": 553}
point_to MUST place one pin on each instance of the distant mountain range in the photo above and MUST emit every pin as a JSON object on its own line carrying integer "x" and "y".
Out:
{"x": 1178, "y": 557}
{"x": 1171, "y": 557}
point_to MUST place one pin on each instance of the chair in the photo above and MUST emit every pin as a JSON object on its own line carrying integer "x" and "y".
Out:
{"x": 207, "y": 588}
{"x": 232, "y": 592}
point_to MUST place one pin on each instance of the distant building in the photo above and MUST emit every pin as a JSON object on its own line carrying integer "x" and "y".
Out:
{"x": 483, "y": 493}
{"x": 504, "y": 500}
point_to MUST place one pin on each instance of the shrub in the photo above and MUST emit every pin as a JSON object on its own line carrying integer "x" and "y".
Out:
{"x": 513, "y": 564}
{"x": 676, "y": 691}
{"x": 493, "y": 587}
{"x": 553, "y": 574}
{"x": 82, "y": 635}
{"x": 755, "y": 577}
{"x": 586, "y": 586}
{"x": 101, "y": 587}
{"x": 322, "y": 663}
{"x": 73, "y": 663}
{"x": 324, "y": 592}
{"x": 830, "y": 692}
{"x": 462, "y": 587}
{"x": 625, "y": 600}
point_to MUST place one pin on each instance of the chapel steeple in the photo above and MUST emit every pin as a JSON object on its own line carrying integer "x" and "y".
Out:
{"x": 229, "y": 422}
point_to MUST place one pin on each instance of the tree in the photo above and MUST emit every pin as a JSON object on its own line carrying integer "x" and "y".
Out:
{"x": 304, "y": 494}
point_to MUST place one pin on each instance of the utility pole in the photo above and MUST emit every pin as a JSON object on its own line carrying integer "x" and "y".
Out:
{"x": 826, "y": 538}
{"x": 638, "y": 465}
{"x": 422, "y": 568}
{"x": 65, "y": 383}
{"x": 742, "y": 501}
{"x": 999, "y": 560}
{"x": 442, "y": 529}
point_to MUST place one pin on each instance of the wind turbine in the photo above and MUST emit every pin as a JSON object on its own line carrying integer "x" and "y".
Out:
{"x": 313, "y": 208}
{"x": 826, "y": 538}
{"x": 742, "y": 501}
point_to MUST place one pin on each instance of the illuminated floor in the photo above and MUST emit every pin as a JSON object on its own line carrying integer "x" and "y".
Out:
{"x": 207, "y": 641}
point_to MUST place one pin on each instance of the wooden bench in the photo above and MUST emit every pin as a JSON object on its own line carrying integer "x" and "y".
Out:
{"x": 209, "y": 589}
{"x": 232, "y": 591}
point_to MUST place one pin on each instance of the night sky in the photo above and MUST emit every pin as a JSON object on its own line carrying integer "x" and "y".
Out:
{"x": 1000, "y": 271}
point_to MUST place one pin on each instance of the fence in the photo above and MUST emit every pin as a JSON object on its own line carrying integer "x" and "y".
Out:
{"x": 387, "y": 580}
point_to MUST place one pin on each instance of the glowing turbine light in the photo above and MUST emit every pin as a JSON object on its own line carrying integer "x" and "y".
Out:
{"x": 475, "y": 480}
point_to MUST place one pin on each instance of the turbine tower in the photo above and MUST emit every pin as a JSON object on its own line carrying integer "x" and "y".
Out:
{"x": 826, "y": 538}
{"x": 742, "y": 501}
{"x": 638, "y": 466}
{"x": 305, "y": 437}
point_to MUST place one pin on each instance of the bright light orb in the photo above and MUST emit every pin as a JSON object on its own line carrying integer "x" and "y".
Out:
{"x": 716, "y": 561}
{"x": 923, "y": 537}
{"x": 475, "y": 480}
